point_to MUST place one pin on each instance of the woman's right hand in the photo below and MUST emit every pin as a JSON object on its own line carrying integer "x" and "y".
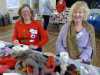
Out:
{"x": 16, "y": 42}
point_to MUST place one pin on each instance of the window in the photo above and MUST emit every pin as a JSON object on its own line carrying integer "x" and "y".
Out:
{"x": 12, "y": 4}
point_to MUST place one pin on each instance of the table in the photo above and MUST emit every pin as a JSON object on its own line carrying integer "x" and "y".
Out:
{"x": 41, "y": 58}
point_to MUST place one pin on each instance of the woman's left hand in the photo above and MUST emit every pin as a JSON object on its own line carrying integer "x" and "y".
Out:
{"x": 78, "y": 60}
{"x": 34, "y": 46}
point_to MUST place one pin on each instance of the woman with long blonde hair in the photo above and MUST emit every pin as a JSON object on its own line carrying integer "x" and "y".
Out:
{"x": 77, "y": 36}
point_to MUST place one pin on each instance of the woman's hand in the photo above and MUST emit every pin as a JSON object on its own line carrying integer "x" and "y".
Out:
{"x": 78, "y": 60}
{"x": 16, "y": 42}
{"x": 34, "y": 46}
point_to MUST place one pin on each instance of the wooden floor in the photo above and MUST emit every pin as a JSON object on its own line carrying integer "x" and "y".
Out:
{"x": 6, "y": 33}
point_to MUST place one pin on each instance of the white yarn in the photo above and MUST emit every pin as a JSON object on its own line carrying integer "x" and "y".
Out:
{"x": 2, "y": 45}
{"x": 64, "y": 58}
{"x": 20, "y": 48}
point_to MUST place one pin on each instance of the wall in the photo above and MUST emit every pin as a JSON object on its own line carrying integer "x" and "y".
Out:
{"x": 53, "y": 3}
{"x": 12, "y": 12}
{"x": 3, "y": 8}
